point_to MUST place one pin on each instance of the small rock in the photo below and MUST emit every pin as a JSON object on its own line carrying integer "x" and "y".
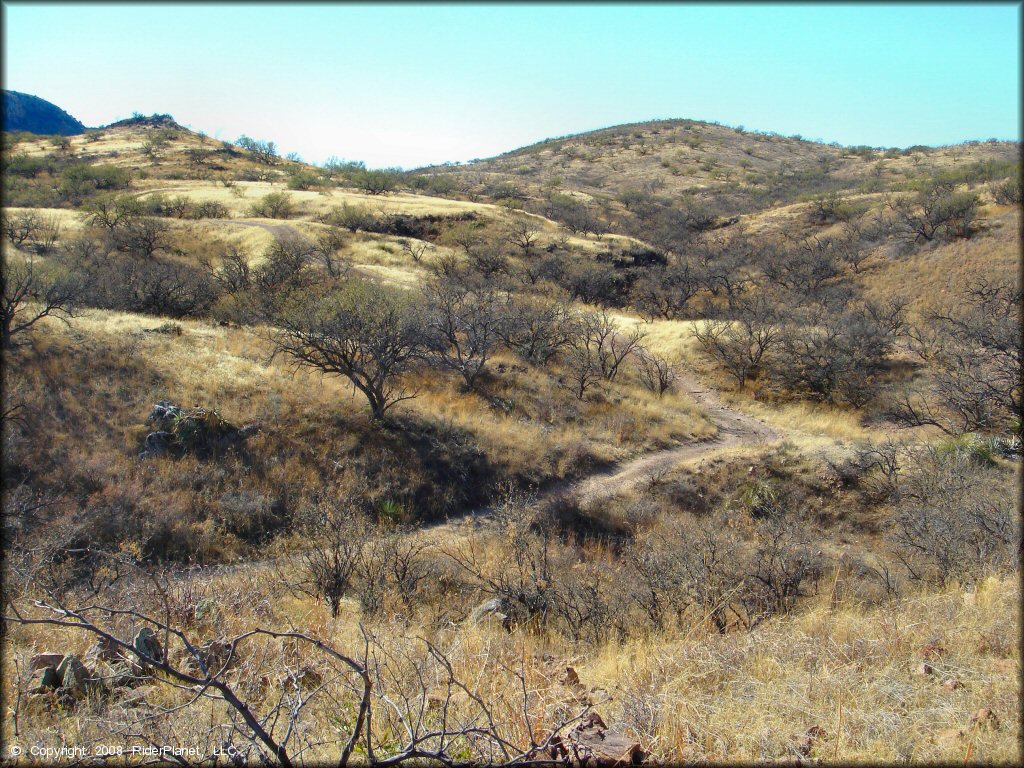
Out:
{"x": 47, "y": 659}
{"x": 74, "y": 677}
{"x": 924, "y": 668}
{"x": 985, "y": 718}
{"x": 145, "y": 643}
{"x": 44, "y": 681}
{"x": 932, "y": 650}
{"x": 952, "y": 684}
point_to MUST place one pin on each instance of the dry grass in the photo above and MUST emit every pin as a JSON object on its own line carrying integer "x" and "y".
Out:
{"x": 685, "y": 695}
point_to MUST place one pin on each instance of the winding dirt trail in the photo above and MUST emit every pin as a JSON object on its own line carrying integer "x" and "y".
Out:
{"x": 734, "y": 428}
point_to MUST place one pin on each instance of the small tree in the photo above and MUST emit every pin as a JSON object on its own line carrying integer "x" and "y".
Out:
{"x": 974, "y": 352}
{"x": 611, "y": 347}
{"x": 741, "y": 344}
{"x": 523, "y": 234}
{"x": 111, "y": 212}
{"x": 934, "y": 212}
{"x": 376, "y": 182}
{"x": 352, "y": 217}
{"x": 367, "y": 333}
{"x": 264, "y": 152}
{"x": 334, "y": 531}
{"x": 464, "y": 324}
{"x": 30, "y": 294}
{"x": 656, "y": 373}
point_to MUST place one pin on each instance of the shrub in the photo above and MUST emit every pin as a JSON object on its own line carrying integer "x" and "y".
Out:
{"x": 274, "y": 205}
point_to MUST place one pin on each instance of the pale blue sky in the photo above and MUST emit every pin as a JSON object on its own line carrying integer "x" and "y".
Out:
{"x": 410, "y": 84}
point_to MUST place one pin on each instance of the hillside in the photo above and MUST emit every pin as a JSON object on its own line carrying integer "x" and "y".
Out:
{"x": 629, "y": 175}
{"x": 643, "y": 425}
{"x": 24, "y": 112}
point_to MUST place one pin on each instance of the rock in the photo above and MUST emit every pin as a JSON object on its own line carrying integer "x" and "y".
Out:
{"x": 145, "y": 643}
{"x": 496, "y": 608}
{"x": 75, "y": 678}
{"x": 985, "y": 718}
{"x": 591, "y": 744}
{"x": 952, "y": 684}
{"x": 924, "y": 668}
{"x": 156, "y": 444}
{"x": 165, "y": 410}
{"x": 47, "y": 659}
{"x": 45, "y": 680}
{"x": 931, "y": 650}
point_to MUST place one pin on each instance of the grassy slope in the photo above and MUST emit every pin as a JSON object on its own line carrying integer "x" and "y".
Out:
{"x": 736, "y": 697}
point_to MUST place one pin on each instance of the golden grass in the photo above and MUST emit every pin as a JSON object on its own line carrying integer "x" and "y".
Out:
{"x": 684, "y": 694}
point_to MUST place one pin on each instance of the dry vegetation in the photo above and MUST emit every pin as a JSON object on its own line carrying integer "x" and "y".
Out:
{"x": 709, "y": 434}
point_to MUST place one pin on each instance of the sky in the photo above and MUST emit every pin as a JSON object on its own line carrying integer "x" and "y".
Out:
{"x": 414, "y": 84}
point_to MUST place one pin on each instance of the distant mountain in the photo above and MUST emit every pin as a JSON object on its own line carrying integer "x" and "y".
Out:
{"x": 24, "y": 112}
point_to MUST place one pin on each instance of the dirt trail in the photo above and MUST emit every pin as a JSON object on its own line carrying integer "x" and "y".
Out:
{"x": 734, "y": 428}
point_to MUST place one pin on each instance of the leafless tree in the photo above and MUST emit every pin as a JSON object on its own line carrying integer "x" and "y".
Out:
{"x": 665, "y": 293}
{"x": 334, "y": 531}
{"x": 605, "y": 344}
{"x": 974, "y": 354}
{"x": 954, "y": 518}
{"x": 367, "y": 333}
{"x": 416, "y": 249}
{"x": 31, "y": 293}
{"x": 463, "y": 323}
{"x": 523, "y": 234}
{"x": 656, "y": 373}
{"x": 535, "y": 329}
{"x": 742, "y": 343}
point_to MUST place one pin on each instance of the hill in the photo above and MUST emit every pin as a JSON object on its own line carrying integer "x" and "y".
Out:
{"x": 24, "y": 112}
{"x": 642, "y": 455}
{"x": 631, "y": 176}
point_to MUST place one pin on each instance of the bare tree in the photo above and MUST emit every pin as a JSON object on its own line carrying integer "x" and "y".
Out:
{"x": 666, "y": 292}
{"x": 974, "y": 354}
{"x": 535, "y": 329}
{"x": 656, "y": 373}
{"x": 31, "y": 293}
{"x": 523, "y": 234}
{"x": 262, "y": 151}
{"x": 954, "y": 518}
{"x": 607, "y": 346}
{"x": 367, "y": 333}
{"x": 936, "y": 211}
{"x": 463, "y": 324}
{"x": 334, "y": 531}
{"x": 741, "y": 344}
{"x": 416, "y": 249}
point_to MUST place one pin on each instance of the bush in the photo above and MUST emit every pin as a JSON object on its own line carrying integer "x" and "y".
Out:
{"x": 275, "y": 205}
{"x": 81, "y": 180}
{"x": 1009, "y": 192}
{"x": 303, "y": 180}
{"x": 377, "y": 182}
